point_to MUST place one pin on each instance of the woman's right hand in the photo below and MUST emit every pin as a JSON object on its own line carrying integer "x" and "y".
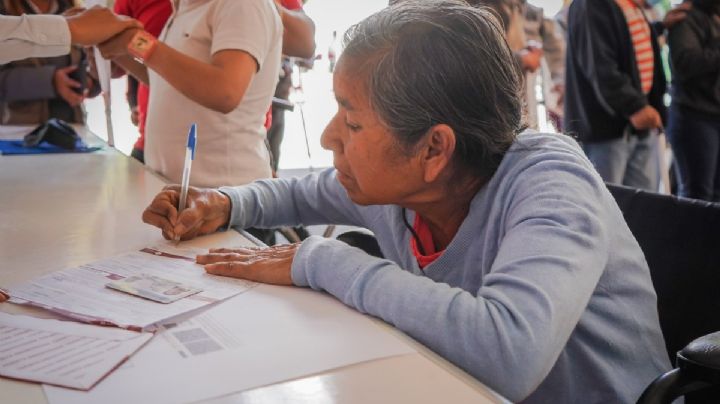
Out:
{"x": 206, "y": 211}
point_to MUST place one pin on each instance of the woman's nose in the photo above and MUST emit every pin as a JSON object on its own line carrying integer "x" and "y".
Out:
{"x": 330, "y": 139}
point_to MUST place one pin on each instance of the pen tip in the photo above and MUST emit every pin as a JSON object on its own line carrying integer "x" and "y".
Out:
{"x": 192, "y": 138}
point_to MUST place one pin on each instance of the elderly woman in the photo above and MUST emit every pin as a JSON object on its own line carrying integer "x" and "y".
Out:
{"x": 505, "y": 253}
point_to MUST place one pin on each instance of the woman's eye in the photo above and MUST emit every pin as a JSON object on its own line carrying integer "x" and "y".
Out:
{"x": 353, "y": 127}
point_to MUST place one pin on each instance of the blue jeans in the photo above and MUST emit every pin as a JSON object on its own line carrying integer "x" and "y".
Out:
{"x": 695, "y": 140}
{"x": 629, "y": 160}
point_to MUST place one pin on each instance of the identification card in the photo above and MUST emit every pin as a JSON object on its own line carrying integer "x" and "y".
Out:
{"x": 153, "y": 288}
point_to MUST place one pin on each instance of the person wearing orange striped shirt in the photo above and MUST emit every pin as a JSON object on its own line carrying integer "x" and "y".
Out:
{"x": 614, "y": 88}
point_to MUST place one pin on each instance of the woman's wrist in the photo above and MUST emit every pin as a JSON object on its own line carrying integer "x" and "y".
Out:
{"x": 224, "y": 205}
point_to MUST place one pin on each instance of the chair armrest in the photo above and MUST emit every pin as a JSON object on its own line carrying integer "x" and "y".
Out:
{"x": 698, "y": 368}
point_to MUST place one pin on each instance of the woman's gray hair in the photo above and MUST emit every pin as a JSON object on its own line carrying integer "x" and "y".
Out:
{"x": 441, "y": 62}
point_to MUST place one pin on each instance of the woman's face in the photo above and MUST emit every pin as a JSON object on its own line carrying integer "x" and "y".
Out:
{"x": 369, "y": 162}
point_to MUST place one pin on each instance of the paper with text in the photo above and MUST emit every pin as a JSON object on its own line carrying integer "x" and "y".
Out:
{"x": 80, "y": 292}
{"x": 265, "y": 336}
{"x": 62, "y": 353}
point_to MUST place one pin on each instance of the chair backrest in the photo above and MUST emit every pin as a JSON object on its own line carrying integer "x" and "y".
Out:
{"x": 681, "y": 242}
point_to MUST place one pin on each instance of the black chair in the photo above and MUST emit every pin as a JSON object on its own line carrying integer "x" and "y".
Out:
{"x": 681, "y": 242}
{"x": 364, "y": 241}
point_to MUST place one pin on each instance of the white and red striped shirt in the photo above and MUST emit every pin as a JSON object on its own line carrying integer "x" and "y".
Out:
{"x": 642, "y": 41}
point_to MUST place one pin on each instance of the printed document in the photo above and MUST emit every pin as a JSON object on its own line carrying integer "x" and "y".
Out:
{"x": 62, "y": 353}
{"x": 81, "y": 292}
{"x": 265, "y": 336}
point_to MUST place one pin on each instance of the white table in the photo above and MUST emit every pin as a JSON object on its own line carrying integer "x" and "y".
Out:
{"x": 63, "y": 210}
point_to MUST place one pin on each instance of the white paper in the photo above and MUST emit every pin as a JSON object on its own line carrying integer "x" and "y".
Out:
{"x": 61, "y": 352}
{"x": 267, "y": 335}
{"x": 104, "y": 71}
{"x": 80, "y": 292}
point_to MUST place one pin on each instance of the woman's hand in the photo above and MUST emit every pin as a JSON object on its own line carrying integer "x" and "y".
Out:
{"x": 267, "y": 265}
{"x": 65, "y": 86}
{"x": 206, "y": 211}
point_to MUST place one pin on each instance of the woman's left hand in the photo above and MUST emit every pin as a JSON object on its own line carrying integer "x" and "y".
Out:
{"x": 267, "y": 264}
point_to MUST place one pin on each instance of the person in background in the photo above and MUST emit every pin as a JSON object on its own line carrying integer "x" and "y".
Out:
{"x": 332, "y": 52}
{"x": 511, "y": 16}
{"x": 216, "y": 64}
{"x": 153, "y": 14}
{"x": 528, "y": 54}
{"x": 542, "y": 31}
{"x": 504, "y": 251}
{"x": 298, "y": 29}
{"x": 34, "y": 90}
{"x": 28, "y": 36}
{"x": 298, "y": 42}
{"x": 694, "y": 127}
{"x": 614, "y": 89}
{"x": 561, "y": 18}
{"x": 131, "y": 95}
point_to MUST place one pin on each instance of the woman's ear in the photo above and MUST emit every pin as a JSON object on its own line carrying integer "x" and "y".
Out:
{"x": 437, "y": 151}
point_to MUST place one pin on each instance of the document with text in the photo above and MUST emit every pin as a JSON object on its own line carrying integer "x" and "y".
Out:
{"x": 63, "y": 353}
{"x": 82, "y": 293}
{"x": 268, "y": 335}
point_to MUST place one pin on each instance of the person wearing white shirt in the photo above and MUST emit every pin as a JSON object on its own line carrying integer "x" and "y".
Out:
{"x": 215, "y": 64}
{"x": 51, "y": 35}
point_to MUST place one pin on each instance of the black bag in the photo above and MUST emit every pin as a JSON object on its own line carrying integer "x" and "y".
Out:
{"x": 56, "y": 132}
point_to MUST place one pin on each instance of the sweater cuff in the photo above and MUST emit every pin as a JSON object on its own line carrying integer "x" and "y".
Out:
{"x": 324, "y": 264}
{"x": 238, "y": 197}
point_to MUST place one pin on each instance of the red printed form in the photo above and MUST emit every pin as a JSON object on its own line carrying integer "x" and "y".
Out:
{"x": 82, "y": 293}
{"x": 63, "y": 353}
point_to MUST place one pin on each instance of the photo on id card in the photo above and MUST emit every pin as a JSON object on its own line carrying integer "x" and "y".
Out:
{"x": 153, "y": 288}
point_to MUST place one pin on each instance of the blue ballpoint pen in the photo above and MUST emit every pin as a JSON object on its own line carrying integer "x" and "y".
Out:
{"x": 189, "y": 157}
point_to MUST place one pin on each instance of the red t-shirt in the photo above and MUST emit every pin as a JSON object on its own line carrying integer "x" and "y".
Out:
{"x": 153, "y": 14}
{"x": 423, "y": 232}
{"x": 292, "y": 4}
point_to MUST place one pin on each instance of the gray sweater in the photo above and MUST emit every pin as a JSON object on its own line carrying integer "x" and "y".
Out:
{"x": 543, "y": 294}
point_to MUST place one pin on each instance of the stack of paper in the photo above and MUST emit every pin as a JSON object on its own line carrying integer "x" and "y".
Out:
{"x": 62, "y": 353}
{"x": 265, "y": 336}
{"x": 82, "y": 293}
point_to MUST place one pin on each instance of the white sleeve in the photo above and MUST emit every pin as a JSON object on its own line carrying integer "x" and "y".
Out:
{"x": 33, "y": 36}
{"x": 252, "y": 26}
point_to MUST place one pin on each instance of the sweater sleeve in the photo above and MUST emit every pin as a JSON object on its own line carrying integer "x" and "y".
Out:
{"x": 553, "y": 250}
{"x": 687, "y": 53}
{"x": 313, "y": 199}
{"x": 595, "y": 49}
